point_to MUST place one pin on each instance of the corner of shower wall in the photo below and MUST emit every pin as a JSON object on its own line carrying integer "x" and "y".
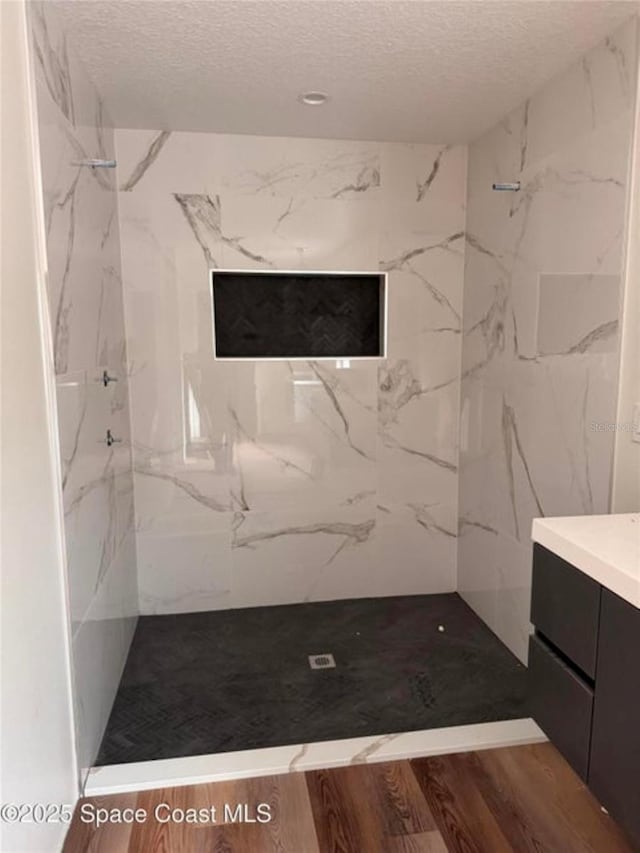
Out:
{"x": 459, "y": 424}
{"x": 626, "y": 468}
{"x": 541, "y": 319}
{"x": 85, "y": 305}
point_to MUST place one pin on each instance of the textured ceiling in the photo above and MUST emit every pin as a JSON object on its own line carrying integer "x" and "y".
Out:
{"x": 403, "y": 70}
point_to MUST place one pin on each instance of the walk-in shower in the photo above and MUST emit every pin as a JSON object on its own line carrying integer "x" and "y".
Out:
{"x": 311, "y": 393}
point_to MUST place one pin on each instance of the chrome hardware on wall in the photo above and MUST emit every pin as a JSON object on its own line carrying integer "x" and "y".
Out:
{"x": 513, "y": 187}
{"x": 106, "y": 379}
{"x": 110, "y": 440}
{"x": 95, "y": 163}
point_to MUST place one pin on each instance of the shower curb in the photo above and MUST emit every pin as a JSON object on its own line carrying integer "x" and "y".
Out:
{"x": 244, "y": 764}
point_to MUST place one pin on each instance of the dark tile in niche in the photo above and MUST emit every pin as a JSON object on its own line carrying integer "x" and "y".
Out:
{"x": 298, "y": 315}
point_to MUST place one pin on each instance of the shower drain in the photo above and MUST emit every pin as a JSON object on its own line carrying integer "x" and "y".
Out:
{"x": 325, "y": 661}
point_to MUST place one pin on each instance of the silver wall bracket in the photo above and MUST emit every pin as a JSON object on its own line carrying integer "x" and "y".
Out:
{"x": 96, "y": 163}
{"x": 512, "y": 187}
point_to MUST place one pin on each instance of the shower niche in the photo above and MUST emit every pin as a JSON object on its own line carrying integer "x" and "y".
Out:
{"x": 288, "y": 315}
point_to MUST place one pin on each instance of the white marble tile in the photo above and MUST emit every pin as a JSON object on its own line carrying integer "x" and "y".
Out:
{"x": 425, "y": 294}
{"x": 590, "y": 94}
{"x": 201, "y": 769}
{"x": 83, "y": 251}
{"x": 577, "y": 313}
{"x": 87, "y": 315}
{"x": 294, "y": 556}
{"x": 97, "y": 482}
{"x": 168, "y": 162}
{"x": 499, "y": 155}
{"x": 305, "y": 433}
{"x": 540, "y": 339}
{"x": 184, "y": 573}
{"x": 478, "y": 577}
{"x": 100, "y": 648}
{"x": 288, "y": 445}
{"x": 294, "y": 232}
{"x": 424, "y": 537}
{"x": 244, "y": 165}
{"x": 117, "y": 596}
{"x": 571, "y": 207}
{"x": 417, "y": 445}
{"x": 494, "y": 578}
{"x": 302, "y": 168}
{"x": 66, "y": 83}
{"x": 177, "y": 498}
{"x": 424, "y": 185}
{"x": 569, "y": 460}
{"x": 514, "y": 597}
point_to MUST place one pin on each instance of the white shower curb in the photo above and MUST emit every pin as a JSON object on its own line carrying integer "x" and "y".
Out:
{"x": 244, "y": 764}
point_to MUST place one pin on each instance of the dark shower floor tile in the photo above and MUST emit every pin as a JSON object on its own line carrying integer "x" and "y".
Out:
{"x": 219, "y": 681}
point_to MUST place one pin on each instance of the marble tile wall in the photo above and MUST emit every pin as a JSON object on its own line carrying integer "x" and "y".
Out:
{"x": 541, "y": 308}
{"x": 274, "y": 482}
{"x": 86, "y": 313}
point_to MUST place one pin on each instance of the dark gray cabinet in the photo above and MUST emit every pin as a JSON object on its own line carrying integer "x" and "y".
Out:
{"x": 614, "y": 769}
{"x": 565, "y": 608}
{"x": 567, "y": 719}
{"x": 584, "y": 681}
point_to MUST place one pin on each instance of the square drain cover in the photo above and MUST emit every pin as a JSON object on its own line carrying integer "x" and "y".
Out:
{"x": 325, "y": 661}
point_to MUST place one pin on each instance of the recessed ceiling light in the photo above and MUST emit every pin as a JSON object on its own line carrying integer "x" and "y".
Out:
{"x": 314, "y": 99}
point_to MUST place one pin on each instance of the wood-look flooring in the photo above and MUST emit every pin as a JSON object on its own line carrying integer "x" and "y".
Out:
{"x": 495, "y": 801}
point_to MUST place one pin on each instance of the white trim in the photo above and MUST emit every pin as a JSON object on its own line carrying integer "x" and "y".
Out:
{"x": 384, "y": 281}
{"x": 200, "y": 769}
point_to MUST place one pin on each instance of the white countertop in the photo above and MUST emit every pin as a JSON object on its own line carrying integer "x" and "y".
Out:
{"x": 605, "y": 547}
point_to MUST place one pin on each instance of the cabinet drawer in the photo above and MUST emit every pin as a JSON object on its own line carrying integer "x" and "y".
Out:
{"x": 614, "y": 770}
{"x": 561, "y": 703}
{"x": 565, "y": 608}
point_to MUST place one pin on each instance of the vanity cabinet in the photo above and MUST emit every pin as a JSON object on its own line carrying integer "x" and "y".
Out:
{"x": 561, "y": 704}
{"x": 565, "y": 608}
{"x": 584, "y": 681}
{"x": 614, "y": 767}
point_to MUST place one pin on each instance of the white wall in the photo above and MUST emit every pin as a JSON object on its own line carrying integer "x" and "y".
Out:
{"x": 37, "y": 751}
{"x": 626, "y": 473}
{"x": 275, "y": 482}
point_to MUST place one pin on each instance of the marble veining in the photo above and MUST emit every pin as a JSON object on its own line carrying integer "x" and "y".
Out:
{"x": 351, "y": 533}
{"x": 410, "y": 254}
{"x": 332, "y": 170}
{"x": 605, "y": 331}
{"x": 425, "y": 518}
{"x": 145, "y": 162}
{"x": 389, "y": 441}
{"x": 364, "y": 754}
{"x": 247, "y": 763}
{"x": 513, "y": 447}
{"x": 267, "y": 474}
{"x": 184, "y": 485}
{"x": 53, "y": 62}
{"x": 540, "y": 326}
{"x": 203, "y": 215}
{"x": 87, "y": 315}
{"x": 424, "y": 185}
